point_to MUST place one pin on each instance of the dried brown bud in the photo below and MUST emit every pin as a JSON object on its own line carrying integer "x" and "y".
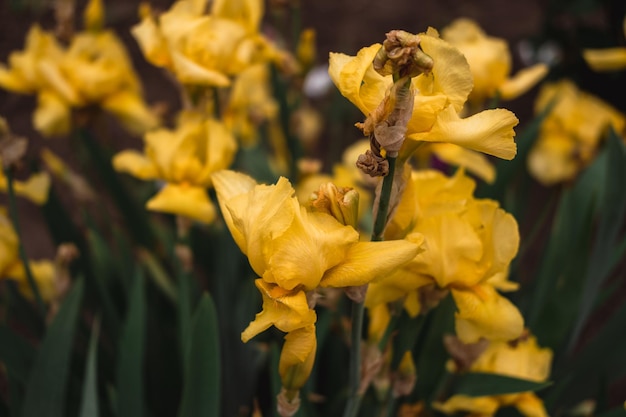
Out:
{"x": 12, "y": 150}
{"x": 464, "y": 355}
{"x": 401, "y": 55}
{"x": 372, "y": 165}
{"x": 288, "y": 407}
{"x": 356, "y": 294}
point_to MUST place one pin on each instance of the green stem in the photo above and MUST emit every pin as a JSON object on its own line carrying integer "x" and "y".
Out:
{"x": 22, "y": 251}
{"x": 354, "y": 399}
{"x": 383, "y": 204}
{"x": 358, "y": 309}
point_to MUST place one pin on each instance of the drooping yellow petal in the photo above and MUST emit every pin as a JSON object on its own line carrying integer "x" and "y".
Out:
{"x": 482, "y": 312}
{"x": 130, "y": 108}
{"x": 35, "y": 188}
{"x": 472, "y": 161}
{"x": 297, "y": 357}
{"x": 52, "y": 116}
{"x": 609, "y": 59}
{"x": 255, "y": 215}
{"x": 286, "y": 310}
{"x": 135, "y": 164}
{"x": 185, "y": 200}
{"x": 523, "y": 81}
{"x": 368, "y": 261}
{"x": 490, "y": 131}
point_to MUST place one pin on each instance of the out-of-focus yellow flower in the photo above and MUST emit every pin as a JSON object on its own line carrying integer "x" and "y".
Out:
{"x": 184, "y": 158}
{"x": 205, "y": 49}
{"x": 295, "y": 249}
{"x": 489, "y": 59}
{"x": 470, "y": 243}
{"x": 306, "y": 51}
{"x": 11, "y": 266}
{"x": 607, "y": 59}
{"x": 522, "y": 359}
{"x": 250, "y": 104}
{"x": 93, "y": 70}
{"x": 35, "y": 188}
{"x": 439, "y": 98}
{"x": 571, "y": 132}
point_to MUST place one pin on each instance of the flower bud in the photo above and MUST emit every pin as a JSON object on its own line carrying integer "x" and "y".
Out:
{"x": 341, "y": 203}
{"x": 296, "y": 359}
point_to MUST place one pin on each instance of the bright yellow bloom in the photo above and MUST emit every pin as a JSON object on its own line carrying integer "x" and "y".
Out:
{"x": 184, "y": 158}
{"x": 11, "y": 266}
{"x": 205, "y": 49}
{"x": 570, "y": 134}
{"x": 522, "y": 359}
{"x": 439, "y": 98}
{"x": 470, "y": 243}
{"x": 608, "y": 59}
{"x": 295, "y": 249}
{"x": 489, "y": 59}
{"x": 93, "y": 70}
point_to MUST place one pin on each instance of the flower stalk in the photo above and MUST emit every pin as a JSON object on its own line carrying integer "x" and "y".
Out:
{"x": 8, "y": 172}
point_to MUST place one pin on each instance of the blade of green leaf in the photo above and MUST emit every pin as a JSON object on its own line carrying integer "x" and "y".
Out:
{"x": 612, "y": 214}
{"x": 16, "y": 354}
{"x": 130, "y": 389}
{"x": 475, "y": 384}
{"x": 201, "y": 392}
{"x": 102, "y": 264}
{"x": 134, "y": 215}
{"x": 45, "y": 392}
{"x": 89, "y": 406}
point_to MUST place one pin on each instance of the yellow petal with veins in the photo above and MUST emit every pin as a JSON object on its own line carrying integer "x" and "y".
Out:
{"x": 490, "y": 131}
{"x": 482, "y": 312}
{"x": 368, "y": 261}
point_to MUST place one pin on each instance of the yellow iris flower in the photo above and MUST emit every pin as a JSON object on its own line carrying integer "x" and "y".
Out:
{"x": 205, "y": 49}
{"x": 93, "y": 70}
{"x": 184, "y": 158}
{"x": 570, "y": 134}
{"x": 470, "y": 243}
{"x": 489, "y": 59}
{"x": 523, "y": 359}
{"x": 295, "y": 249}
{"x": 439, "y": 98}
{"x": 35, "y": 188}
